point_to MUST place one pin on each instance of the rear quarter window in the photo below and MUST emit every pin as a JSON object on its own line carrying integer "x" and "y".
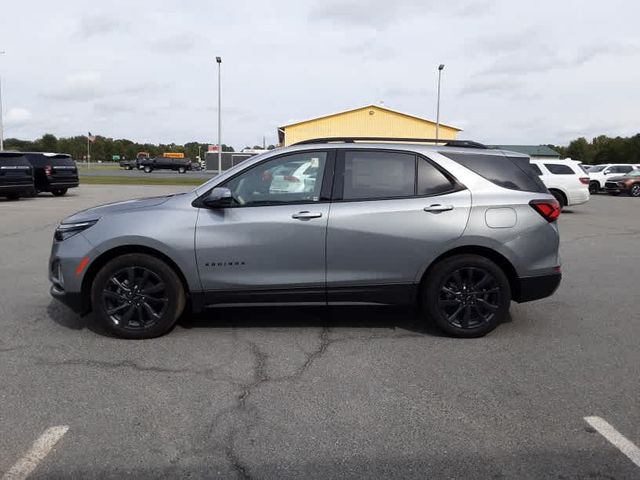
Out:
{"x": 514, "y": 173}
{"x": 536, "y": 169}
{"x": 557, "y": 169}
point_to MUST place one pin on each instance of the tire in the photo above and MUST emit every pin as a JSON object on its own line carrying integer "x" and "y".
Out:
{"x": 112, "y": 298}
{"x": 634, "y": 191}
{"x": 129, "y": 167}
{"x": 559, "y": 196}
{"x": 59, "y": 192}
{"x": 182, "y": 170}
{"x": 448, "y": 302}
{"x": 594, "y": 187}
{"x": 148, "y": 169}
{"x": 13, "y": 196}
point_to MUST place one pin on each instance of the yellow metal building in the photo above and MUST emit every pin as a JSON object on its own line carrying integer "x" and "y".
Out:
{"x": 367, "y": 121}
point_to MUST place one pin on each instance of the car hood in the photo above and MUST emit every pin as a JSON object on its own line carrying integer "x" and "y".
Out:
{"x": 110, "y": 208}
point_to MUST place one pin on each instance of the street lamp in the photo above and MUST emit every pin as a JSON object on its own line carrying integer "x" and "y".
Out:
{"x": 440, "y": 68}
{"x": 219, "y": 62}
{"x": 2, "y": 52}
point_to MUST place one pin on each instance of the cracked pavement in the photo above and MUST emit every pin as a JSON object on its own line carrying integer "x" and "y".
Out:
{"x": 325, "y": 392}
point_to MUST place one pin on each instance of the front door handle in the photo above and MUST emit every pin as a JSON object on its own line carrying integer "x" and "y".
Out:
{"x": 437, "y": 208}
{"x": 306, "y": 215}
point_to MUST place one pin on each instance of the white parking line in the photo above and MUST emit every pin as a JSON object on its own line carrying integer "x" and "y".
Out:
{"x": 615, "y": 438}
{"x": 40, "y": 448}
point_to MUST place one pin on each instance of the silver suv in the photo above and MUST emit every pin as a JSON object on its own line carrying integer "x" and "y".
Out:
{"x": 456, "y": 228}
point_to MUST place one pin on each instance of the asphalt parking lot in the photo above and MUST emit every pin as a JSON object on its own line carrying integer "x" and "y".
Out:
{"x": 324, "y": 393}
{"x": 204, "y": 175}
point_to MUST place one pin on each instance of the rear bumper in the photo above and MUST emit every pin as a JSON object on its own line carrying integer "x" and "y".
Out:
{"x": 579, "y": 196}
{"x": 535, "y": 288}
{"x": 13, "y": 189}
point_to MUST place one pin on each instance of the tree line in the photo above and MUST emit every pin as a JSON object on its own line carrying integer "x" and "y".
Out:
{"x": 603, "y": 149}
{"x": 105, "y": 148}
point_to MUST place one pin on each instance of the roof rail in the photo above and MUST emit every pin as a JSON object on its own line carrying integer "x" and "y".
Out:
{"x": 444, "y": 143}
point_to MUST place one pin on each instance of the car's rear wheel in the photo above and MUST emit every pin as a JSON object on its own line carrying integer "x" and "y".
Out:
{"x": 466, "y": 295}
{"x": 594, "y": 187}
{"x": 560, "y": 197}
{"x": 59, "y": 192}
{"x": 137, "y": 296}
{"x": 148, "y": 169}
{"x": 635, "y": 190}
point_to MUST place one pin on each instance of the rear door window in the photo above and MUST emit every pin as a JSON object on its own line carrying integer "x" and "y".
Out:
{"x": 377, "y": 175}
{"x": 558, "y": 169}
{"x": 514, "y": 173}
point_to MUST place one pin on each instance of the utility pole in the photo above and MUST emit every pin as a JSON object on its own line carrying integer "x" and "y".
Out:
{"x": 219, "y": 62}
{"x": 440, "y": 68}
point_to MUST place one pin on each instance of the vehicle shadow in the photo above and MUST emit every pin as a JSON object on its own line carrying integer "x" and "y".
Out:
{"x": 364, "y": 317}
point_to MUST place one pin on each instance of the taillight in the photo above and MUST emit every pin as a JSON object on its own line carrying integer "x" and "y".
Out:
{"x": 291, "y": 178}
{"x": 584, "y": 180}
{"x": 47, "y": 170}
{"x": 549, "y": 209}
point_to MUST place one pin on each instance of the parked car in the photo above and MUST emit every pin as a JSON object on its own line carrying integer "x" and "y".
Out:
{"x": 565, "y": 179}
{"x": 16, "y": 176}
{"x": 629, "y": 184}
{"x": 459, "y": 229}
{"x": 180, "y": 165}
{"x": 53, "y": 172}
{"x": 598, "y": 174}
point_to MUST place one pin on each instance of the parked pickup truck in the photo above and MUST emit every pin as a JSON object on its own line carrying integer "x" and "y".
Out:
{"x": 181, "y": 165}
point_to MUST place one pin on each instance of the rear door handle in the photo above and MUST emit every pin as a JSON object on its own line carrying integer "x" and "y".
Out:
{"x": 437, "y": 208}
{"x": 305, "y": 215}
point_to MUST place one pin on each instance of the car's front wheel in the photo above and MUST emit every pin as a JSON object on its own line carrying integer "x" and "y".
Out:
{"x": 466, "y": 295}
{"x": 59, "y": 192}
{"x": 148, "y": 169}
{"x": 635, "y": 190}
{"x": 137, "y": 296}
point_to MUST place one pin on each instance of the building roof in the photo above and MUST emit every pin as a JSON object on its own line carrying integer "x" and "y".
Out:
{"x": 379, "y": 107}
{"x": 531, "y": 150}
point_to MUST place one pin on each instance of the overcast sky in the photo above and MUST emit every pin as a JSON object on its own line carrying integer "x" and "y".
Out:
{"x": 516, "y": 72}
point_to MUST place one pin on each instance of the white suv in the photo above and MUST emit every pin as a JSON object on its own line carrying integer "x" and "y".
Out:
{"x": 598, "y": 174}
{"x": 565, "y": 179}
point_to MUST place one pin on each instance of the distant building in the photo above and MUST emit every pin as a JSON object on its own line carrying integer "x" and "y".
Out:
{"x": 534, "y": 151}
{"x": 367, "y": 121}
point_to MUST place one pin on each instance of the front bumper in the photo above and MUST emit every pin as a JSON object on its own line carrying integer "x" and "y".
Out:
{"x": 534, "y": 288}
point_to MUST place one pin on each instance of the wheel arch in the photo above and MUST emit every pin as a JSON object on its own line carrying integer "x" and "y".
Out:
{"x": 564, "y": 194}
{"x": 112, "y": 253}
{"x": 496, "y": 257}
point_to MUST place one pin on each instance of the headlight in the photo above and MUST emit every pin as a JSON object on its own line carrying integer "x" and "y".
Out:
{"x": 66, "y": 230}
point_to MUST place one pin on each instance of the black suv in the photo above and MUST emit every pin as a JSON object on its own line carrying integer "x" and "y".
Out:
{"x": 53, "y": 172}
{"x": 16, "y": 175}
{"x": 181, "y": 165}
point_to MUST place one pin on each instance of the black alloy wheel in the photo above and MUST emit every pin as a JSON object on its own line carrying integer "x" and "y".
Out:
{"x": 469, "y": 297}
{"x": 466, "y": 295}
{"x": 135, "y": 298}
{"x": 635, "y": 190}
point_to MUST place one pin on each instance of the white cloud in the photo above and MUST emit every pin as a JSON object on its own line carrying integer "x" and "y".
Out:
{"x": 17, "y": 117}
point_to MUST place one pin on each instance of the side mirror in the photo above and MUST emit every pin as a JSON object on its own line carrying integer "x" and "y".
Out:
{"x": 606, "y": 172}
{"x": 219, "y": 197}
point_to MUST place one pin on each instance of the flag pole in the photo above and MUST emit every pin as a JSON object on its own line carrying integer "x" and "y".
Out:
{"x": 88, "y": 152}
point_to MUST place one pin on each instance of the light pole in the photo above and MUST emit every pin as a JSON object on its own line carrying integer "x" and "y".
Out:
{"x": 2, "y": 52}
{"x": 219, "y": 62}
{"x": 440, "y": 68}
